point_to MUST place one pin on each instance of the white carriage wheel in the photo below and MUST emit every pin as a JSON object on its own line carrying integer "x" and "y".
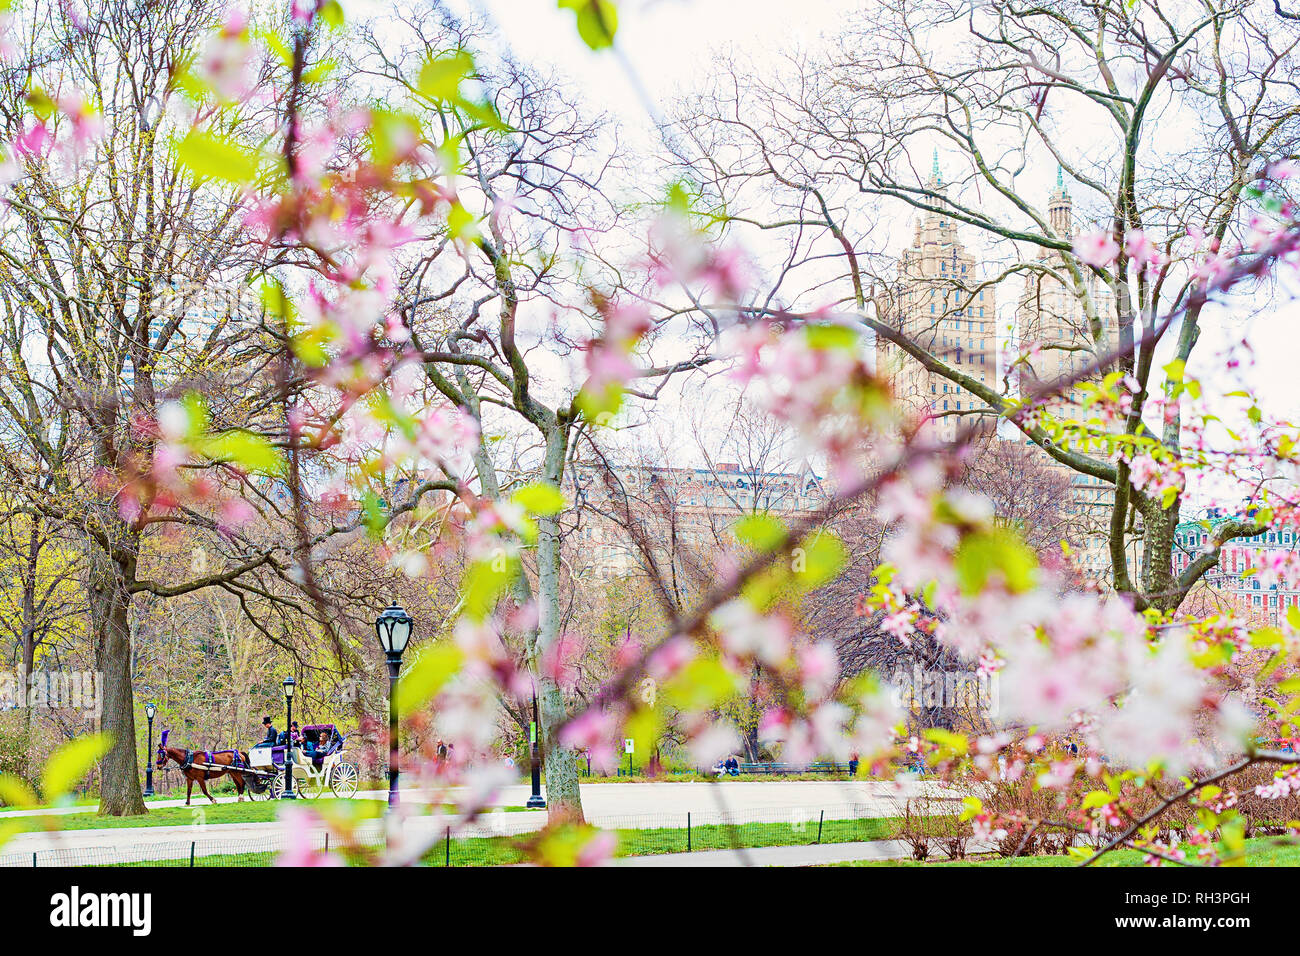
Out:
{"x": 277, "y": 786}
{"x": 309, "y": 785}
{"x": 343, "y": 781}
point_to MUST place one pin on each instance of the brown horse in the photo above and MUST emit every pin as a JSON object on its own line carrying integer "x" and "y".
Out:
{"x": 187, "y": 758}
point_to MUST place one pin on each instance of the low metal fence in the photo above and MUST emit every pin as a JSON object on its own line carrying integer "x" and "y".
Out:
{"x": 493, "y": 839}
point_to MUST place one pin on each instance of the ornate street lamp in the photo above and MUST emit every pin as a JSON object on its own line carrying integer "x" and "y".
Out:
{"x": 288, "y": 793}
{"x": 535, "y": 800}
{"x": 149, "y": 710}
{"x": 393, "y": 628}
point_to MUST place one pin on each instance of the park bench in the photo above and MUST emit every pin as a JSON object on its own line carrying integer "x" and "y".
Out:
{"x": 820, "y": 766}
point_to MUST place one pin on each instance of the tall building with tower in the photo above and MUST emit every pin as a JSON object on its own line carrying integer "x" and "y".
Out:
{"x": 940, "y": 302}
{"x": 1066, "y": 322}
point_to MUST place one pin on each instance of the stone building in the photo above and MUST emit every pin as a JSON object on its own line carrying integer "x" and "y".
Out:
{"x": 1240, "y": 582}
{"x": 1062, "y": 328}
{"x": 685, "y": 513}
{"x": 941, "y": 302}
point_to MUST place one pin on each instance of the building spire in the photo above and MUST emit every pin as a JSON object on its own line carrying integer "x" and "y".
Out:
{"x": 1060, "y": 181}
{"x": 1060, "y": 207}
{"x": 934, "y": 169}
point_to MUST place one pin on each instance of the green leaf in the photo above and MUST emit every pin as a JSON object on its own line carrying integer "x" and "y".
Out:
{"x": 211, "y": 158}
{"x": 701, "y": 684}
{"x": 310, "y": 348}
{"x": 1095, "y": 799}
{"x": 277, "y": 46}
{"x": 485, "y": 582}
{"x": 332, "y": 13}
{"x": 831, "y": 336}
{"x": 759, "y": 531}
{"x": 431, "y": 671}
{"x": 441, "y": 76}
{"x": 597, "y": 21}
{"x": 824, "y": 555}
{"x": 600, "y": 406}
{"x": 997, "y": 553}
{"x": 41, "y": 103}
{"x": 540, "y": 498}
{"x": 391, "y": 135}
{"x": 16, "y": 792}
{"x": 372, "y": 509}
{"x": 644, "y": 727}
{"x": 947, "y": 740}
{"x": 460, "y": 221}
{"x": 70, "y": 763}
{"x": 252, "y": 453}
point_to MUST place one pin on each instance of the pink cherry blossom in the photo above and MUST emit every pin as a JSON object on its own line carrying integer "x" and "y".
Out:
{"x": 1097, "y": 249}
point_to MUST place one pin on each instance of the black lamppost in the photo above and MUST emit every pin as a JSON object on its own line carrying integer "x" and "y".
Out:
{"x": 149, "y": 710}
{"x": 288, "y": 793}
{"x": 393, "y": 628}
{"x": 535, "y": 801}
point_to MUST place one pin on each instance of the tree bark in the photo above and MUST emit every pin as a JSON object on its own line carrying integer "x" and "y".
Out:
{"x": 110, "y": 602}
{"x": 563, "y": 795}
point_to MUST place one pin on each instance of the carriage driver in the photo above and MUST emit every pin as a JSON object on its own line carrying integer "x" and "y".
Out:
{"x": 270, "y": 731}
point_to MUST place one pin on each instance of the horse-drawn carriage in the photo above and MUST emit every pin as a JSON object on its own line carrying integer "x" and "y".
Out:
{"x": 316, "y": 758}
{"x": 317, "y": 762}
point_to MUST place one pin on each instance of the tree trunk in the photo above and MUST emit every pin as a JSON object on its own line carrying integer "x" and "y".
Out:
{"x": 110, "y": 601}
{"x": 1158, "y": 584}
{"x": 563, "y": 796}
{"x": 749, "y": 740}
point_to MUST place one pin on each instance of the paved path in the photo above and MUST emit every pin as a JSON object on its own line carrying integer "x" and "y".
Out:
{"x": 629, "y": 805}
{"x": 742, "y": 796}
{"x": 140, "y": 844}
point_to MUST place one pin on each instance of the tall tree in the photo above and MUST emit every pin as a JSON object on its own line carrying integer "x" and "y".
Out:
{"x": 499, "y": 298}
{"x": 122, "y": 290}
{"x": 1160, "y": 117}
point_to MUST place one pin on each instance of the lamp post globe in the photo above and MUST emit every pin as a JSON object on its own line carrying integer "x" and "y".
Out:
{"x": 149, "y": 710}
{"x": 289, "y": 685}
{"x": 393, "y": 629}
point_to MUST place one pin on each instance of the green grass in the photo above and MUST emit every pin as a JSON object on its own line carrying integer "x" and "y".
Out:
{"x": 503, "y": 850}
{"x": 692, "y": 776}
{"x": 1261, "y": 851}
{"x": 496, "y": 851}
{"x": 260, "y": 811}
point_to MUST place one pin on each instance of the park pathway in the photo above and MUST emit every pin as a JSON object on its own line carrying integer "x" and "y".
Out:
{"x": 612, "y": 805}
{"x": 744, "y": 796}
